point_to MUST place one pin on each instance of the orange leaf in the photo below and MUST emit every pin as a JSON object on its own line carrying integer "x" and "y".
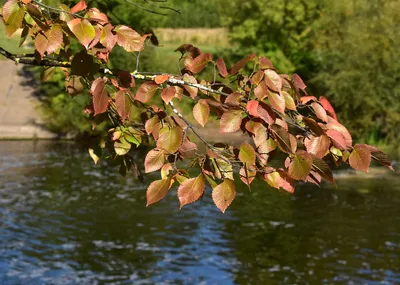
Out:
{"x": 81, "y": 5}
{"x": 200, "y": 62}
{"x": 168, "y": 94}
{"x": 100, "y": 95}
{"x": 170, "y": 139}
{"x": 154, "y": 160}
{"x": 191, "y": 190}
{"x": 146, "y": 91}
{"x": 223, "y": 194}
{"x": 159, "y": 79}
{"x": 221, "y": 67}
{"x": 157, "y": 190}
{"x": 201, "y": 111}
{"x": 317, "y": 145}
{"x": 129, "y": 39}
{"x": 230, "y": 121}
{"x": 277, "y": 101}
{"x": 83, "y": 30}
{"x": 123, "y": 104}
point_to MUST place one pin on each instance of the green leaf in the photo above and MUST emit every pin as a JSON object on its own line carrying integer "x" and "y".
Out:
{"x": 83, "y": 31}
{"x": 13, "y": 15}
{"x": 360, "y": 157}
{"x": 122, "y": 147}
{"x": 223, "y": 194}
{"x": 154, "y": 160}
{"x": 300, "y": 165}
{"x": 129, "y": 39}
{"x": 100, "y": 95}
{"x": 157, "y": 190}
{"x": 247, "y": 154}
{"x": 146, "y": 91}
{"x": 123, "y": 104}
{"x": 201, "y": 111}
{"x": 230, "y": 121}
{"x": 191, "y": 190}
{"x": 170, "y": 139}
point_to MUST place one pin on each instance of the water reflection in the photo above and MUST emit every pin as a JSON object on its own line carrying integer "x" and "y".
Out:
{"x": 64, "y": 220}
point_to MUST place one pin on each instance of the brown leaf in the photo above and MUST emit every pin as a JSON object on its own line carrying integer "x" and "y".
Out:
{"x": 277, "y": 101}
{"x": 107, "y": 38}
{"x": 100, "y": 95}
{"x": 223, "y": 194}
{"x": 360, "y": 157}
{"x": 240, "y": 64}
{"x": 247, "y": 176}
{"x": 123, "y": 104}
{"x": 192, "y": 90}
{"x": 160, "y": 79}
{"x": 300, "y": 165}
{"x": 273, "y": 80}
{"x": 222, "y": 68}
{"x": 191, "y": 190}
{"x": 170, "y": 139}
{"x": 266, "y": 113}
{"x": 199, "y": 62}
{"x": 317, "y": 145}
{"x": 146, "y": 91}
{"x": 168, "y": 94}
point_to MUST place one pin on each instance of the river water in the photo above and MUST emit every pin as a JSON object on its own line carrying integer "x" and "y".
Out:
{"x": 64, "y": 220}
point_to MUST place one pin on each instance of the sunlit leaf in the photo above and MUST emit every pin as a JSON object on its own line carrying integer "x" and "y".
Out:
{"x": 360, "y": 157}
{"x": 247, "y": 176}
{"x": 266, "y": 113}
{"x": 107, "y": 38}
{"x": 192, "y": 90}
{"x": 223, "y": 194}
{"x": 273, "y": 80}
{"x": 230, "y": 121}
{"x": 122, "y": 147}
{"x": 154, "y": 160}
{"x": 319, "y": 111}
{"x": 252, "y": 108}
{"x": 170, "y": 139}
{"x": 81, "y": 5}
{"x": 328, "y": 107}
{"x": 157, "y": 190}
{"x": 277, "y": 101}
{"x": 13, "y": 15}
{"x": 247, "y": 155}
{"x": 241, "y": 63}
{"x": 129, "y": 39}
{"x": 300, "y": 165}
{"x": 191, "y": 190}
{"x": 160, "y": 79}
{"x": 83, "y": 30}
{"x": 167, "y": 94}
{"x": 289, "y": 101}
{"x": 317, "y": 145}
{"x": 201, "y": 111}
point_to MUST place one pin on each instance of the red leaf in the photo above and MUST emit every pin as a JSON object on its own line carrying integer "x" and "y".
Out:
{"x": 146, "y": 91}
{"x": 95, "y": 15}
{"x": 240, "y": 64}
{"x": 257, "y": 77}
{"x": 222, "y": 68}
{"x": 223, "y": 194}
{"x": 81, "y": 5}
{"x": 154, "y": 160}
{"x": 168, "y": 94}
{"x": 201, "y": 111}
{"x": 230, "y": 121}
{"x": 335, "y": 125}
{"x": 298, "y": 83}
{"x": 252, "y": 108}
{"x": 191, "y": 190}
{"x": 159, "y": 79}
{"x": 157, "y": 190}
{"x": 200, "y": 62}
{"x": 123, "y": 104}
{"x": 337, "y": 138}
{"x": 360, "y": 157}
{"x": 100, "y": 95}
{"x": 317, "y": 145}
{"x": 327, "y": 106}
{"x": 265, "y": 63}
